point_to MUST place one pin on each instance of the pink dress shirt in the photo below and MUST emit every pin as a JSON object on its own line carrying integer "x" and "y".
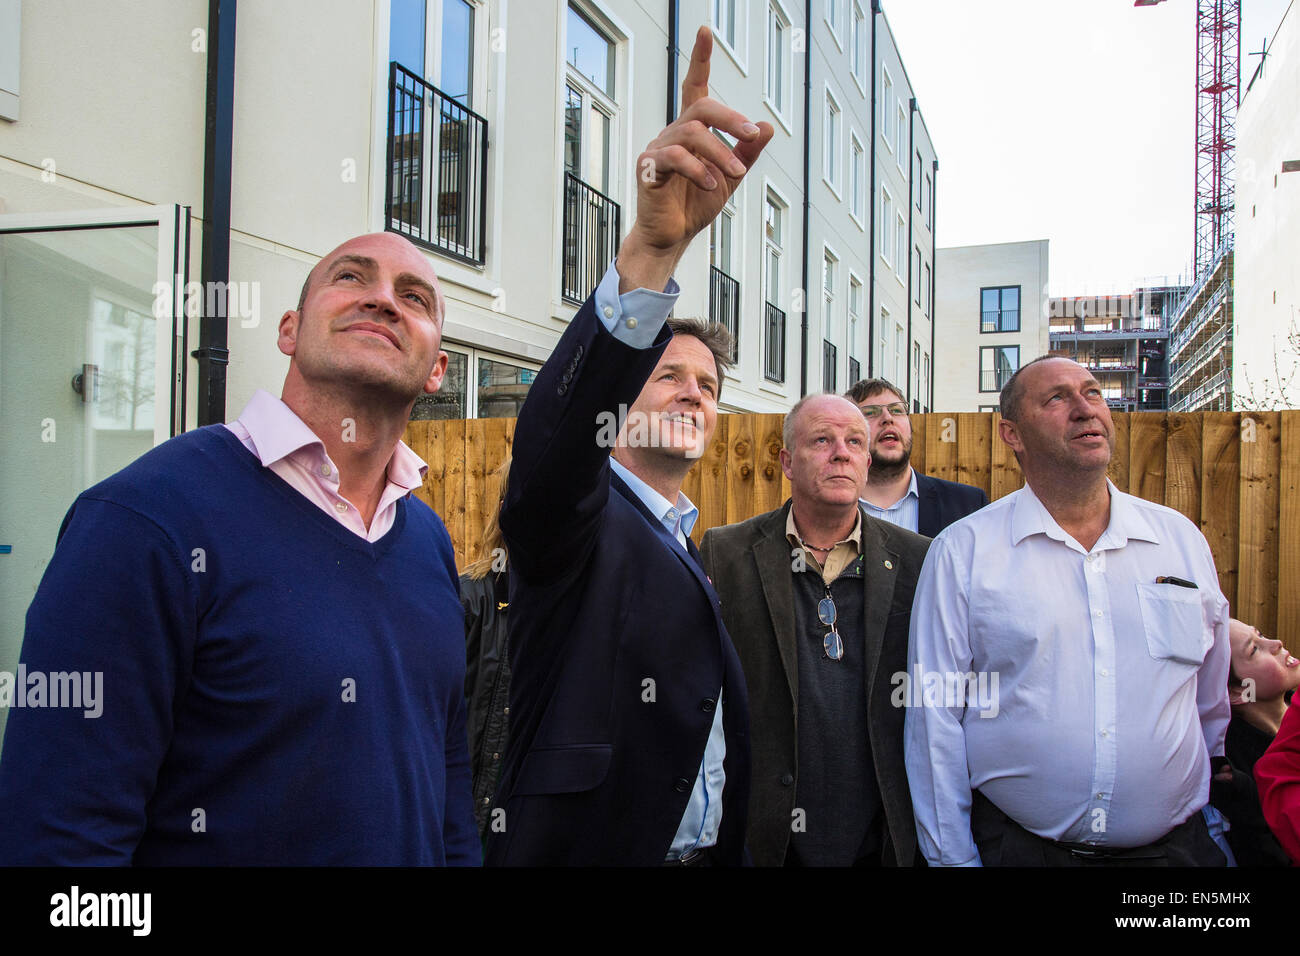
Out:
{"x": 282, "y": 442}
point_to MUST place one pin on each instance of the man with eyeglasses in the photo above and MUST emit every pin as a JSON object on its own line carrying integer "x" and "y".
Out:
{"x": 894, "y": 492}
{"x": 817, "y": 596}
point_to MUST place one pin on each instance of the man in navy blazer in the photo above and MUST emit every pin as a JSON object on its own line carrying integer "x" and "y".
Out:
{"x": 894, "y": 491}
{"x": 629, "y": 719}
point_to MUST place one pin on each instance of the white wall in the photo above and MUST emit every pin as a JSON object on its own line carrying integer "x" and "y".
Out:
{"x": 1266, "y": 290}
{"x": 962, "y": 272}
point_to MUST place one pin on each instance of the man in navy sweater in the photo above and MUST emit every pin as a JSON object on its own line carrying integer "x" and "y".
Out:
{"x": 276, "y": 621}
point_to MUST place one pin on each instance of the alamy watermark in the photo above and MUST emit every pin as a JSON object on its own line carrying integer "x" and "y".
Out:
{"x": 645, "y": 430}
{"x": 978, "y": 691}
{"x": 79, "y": 690}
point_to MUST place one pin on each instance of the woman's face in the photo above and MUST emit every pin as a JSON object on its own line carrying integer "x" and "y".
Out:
{"x": 1263, "y": 661}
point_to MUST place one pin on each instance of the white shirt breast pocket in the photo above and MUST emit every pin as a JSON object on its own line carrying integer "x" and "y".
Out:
{"x": 1174, "y": 622}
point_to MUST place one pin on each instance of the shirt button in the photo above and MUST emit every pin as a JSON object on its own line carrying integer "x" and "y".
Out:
{"x": 340, "y": 506}
{"x": 1101, "y": 796}
{"x": 325, "y": 470}
{"x": 672, "y": 514}
{"x": 487, "y": 801}
{"x": 681, "y": 785}
{"x": 506, "y": 711}
{"x": 1104, "y": 672}
{"x": 708, "y": 704}
{"x": 496, "y": 756}
{"x": 630, "y": 323}
{"x": 1103, "y": 733}
{"x": 1096, "y": 613}
{"x": 609, "y": 312}
{"x": 787, "y": 779}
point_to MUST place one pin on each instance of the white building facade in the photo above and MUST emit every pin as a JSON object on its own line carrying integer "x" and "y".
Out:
{"x": 992, "y": 316}
{"x": 1265, "y": 356}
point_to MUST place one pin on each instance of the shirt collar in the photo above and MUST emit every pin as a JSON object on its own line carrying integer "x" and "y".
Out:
{"x": 911, "y": 493}
{"x": 277, "y": 432}
{"x": 1030, "y": 517}
{"x": 682, "y": 515}
{"x": 855, "y": 536}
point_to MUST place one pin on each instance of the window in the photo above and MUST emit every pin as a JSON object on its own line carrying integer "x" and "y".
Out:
{"x": 988, "y": 408}
{"x": 724, "y": 21}
{"x": 900, "y": 135}
{"x": 886, "y": 109}
{"x": 831, "y": 160}
{"x": 928, "y": 290}
{"x": 1000, "y": 309}
{"x": 900, "y": 244}
{"x": 855, "y": 371}
{"x": 830, "y": 362}
{"x": 925, "y": 380}
{"x": 886, "y": 324}
{"x": 857, "y": 175}
{"x": 774, "y": 318}
{"x": 592, "y": 219}
{"x": 834, "y": 15}
{"x": 916, "y": 361}
{"x": 925, "y": 207}
{"x": 900, "y": 352}
{"x": 500, "y": 387}
{"x": 829, "y": 264}
{"x": 855, "y": 307}
{"x": 435, "y": 194}
{"x": 778, "y": 32}
{"x": 724, "y": 290}
{"x": 997, "y": 364}
{"x": 858, "y": 46}
{"x": 916, "y": 178}
{"x": 886, "y": 216}
{"x": 916, "y": 274}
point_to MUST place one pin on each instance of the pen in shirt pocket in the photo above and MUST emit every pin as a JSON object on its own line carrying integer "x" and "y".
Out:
{"x": 1170, "y": 579}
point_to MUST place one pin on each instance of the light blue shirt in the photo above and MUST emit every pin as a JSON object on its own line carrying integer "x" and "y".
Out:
{"x": 905, "y": 512}
{"x": 636, "y": 318}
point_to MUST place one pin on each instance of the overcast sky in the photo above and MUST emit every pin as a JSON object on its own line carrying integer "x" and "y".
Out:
{"x": 1067, "y": 120}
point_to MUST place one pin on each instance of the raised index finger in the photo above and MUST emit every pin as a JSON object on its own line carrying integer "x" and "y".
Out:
{"x": 696, "y": 83}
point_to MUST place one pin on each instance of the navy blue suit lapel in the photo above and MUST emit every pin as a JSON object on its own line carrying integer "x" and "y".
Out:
{"x": 685, "y": 555}
{"x": 927, "y": 511}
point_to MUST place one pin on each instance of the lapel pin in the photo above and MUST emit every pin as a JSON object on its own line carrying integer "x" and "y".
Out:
{"x": 889, "y": 565}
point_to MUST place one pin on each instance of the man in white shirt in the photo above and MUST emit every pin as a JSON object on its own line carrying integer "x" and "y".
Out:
{"x": 1094, "y": 622}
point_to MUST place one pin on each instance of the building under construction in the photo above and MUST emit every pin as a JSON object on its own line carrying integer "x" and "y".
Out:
{"x": 1122, "y": 340}
{"x": 1200, "y": 342}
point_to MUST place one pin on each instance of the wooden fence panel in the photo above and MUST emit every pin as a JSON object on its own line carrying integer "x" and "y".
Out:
{"x": 1221, "y": 494}
{"x": 1183, "y": 465}
{"x": 1288, "y": 531}
{"x": 1146, "y": 456}
{"x": 1237, "y": 476}
{"x": 1261, "y": 443}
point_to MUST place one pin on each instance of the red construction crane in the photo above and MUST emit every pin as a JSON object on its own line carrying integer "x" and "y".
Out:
{"x": 1218, "y": 93}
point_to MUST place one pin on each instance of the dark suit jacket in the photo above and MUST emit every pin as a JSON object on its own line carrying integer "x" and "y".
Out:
{"x": 750, "y": 567}
{"x": 943, "y": 502}
{"x": 617, "y": 647}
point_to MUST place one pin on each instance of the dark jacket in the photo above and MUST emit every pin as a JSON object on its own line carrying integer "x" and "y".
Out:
{"x": 943, "y": 502}
{"x": 750, "y": 566}
{"x": 487, "y": 683}
{"x": 617, "y": 648}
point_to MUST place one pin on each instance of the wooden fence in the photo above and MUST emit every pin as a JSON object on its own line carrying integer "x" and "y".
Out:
{"x": 1236, "y": 474}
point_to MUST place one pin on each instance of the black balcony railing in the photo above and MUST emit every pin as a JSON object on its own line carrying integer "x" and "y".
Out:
{"x": 591, "y": 235}
{"x": 724, "y": 305}
{"x": 855, "y": 371}
{"x": 774, "y": 350}
{"x": 1002, "y": 320}
{"x": 437, "y": 161}
{"x": 829, "y": 355}
{"x": 992, "y": 380}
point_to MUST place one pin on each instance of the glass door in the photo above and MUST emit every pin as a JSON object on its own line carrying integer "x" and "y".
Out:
{"x": 92, "y": 365}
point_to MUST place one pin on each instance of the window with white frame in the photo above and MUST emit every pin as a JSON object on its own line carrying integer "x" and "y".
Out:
{"x": 436, "y": 40}
{"x": 778, "y": 45}
{"x": 858, "y": 46}
{"x": 727, "y": 15}
{"x": 900, "y": 244}
{"x": 900, "y": 135}
{"x": 925, "y": 378}
{"x": 928, "y": 301}
{"x": 591, "y": 111}
{"x": 857, "y": 177}
{"x": 834, "y": 14}
{"x": 831, "y": 159}
{"x": 774, "y": 211}
{"x": 929, "y": 206}
{"x": 900, "y": 353}
{"x": 916, "y": 274}
{"x": 496, "y": 388}
{"x": 886, "y": 217}
{"x": 887, "y": 108}
{"x": 829, "y": 267}
{"x": 882, "y": 353}
{"x": 855, "y": 311}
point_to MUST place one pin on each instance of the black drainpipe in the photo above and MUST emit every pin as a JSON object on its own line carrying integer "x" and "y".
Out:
{"x": 934, "y": 274}
{"x": 212, "y": 354}
{"x": 672, "y": 61}
{"x": 872, "y": 199}
{"x": 911, "y": 239}
{"x": 807, "y": 187}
